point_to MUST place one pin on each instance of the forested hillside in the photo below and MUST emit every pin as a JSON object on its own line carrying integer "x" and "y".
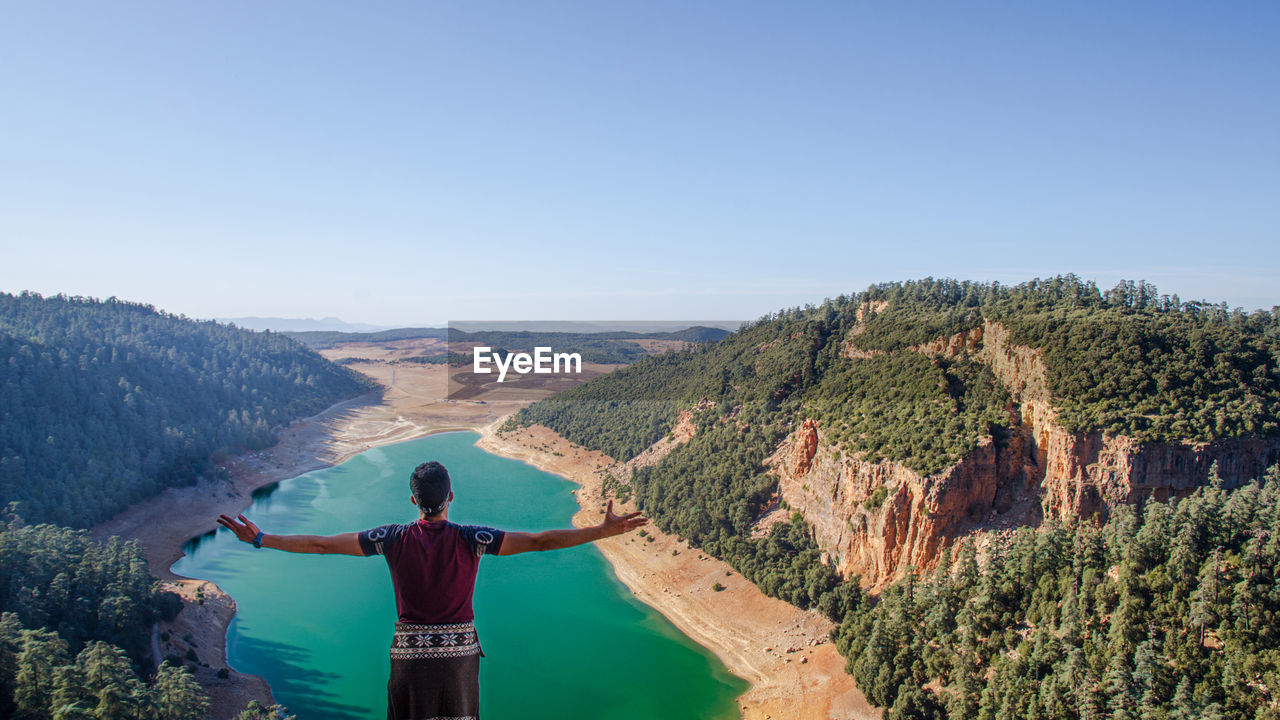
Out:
{"x": 1128, "y": 360}
{"x": 321, "y": 339}
{"x": 1068, "y": 609}
{"x": 103, "y": 403}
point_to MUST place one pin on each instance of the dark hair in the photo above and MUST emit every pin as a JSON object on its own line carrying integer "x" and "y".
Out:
{"x": 430, "y": 485}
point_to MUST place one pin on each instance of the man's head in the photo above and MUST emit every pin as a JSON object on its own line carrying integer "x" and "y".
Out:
{"x": 431, "y": 487}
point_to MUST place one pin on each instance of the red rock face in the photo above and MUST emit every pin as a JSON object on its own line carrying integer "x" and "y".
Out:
{"x": 878, "y": 520}
{"x": 804, "y": 447}
{"x": 1091, "y": 473}
{"x": 950, "y": 347}
{"x": 914, "y": 519}
{"x": 1088, "y": 473}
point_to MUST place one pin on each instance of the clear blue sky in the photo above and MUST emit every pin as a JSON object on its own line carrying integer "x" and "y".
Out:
{"x": 410, "y": 163}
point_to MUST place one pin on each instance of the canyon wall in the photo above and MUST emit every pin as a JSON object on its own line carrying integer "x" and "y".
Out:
{"x": 877, "y": 520}
{"x": 1085, "y": 473}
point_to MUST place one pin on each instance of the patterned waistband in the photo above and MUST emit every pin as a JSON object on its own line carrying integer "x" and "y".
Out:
{"x": 414, "y": 642}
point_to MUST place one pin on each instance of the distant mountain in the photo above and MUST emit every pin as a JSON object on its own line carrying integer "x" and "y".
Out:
{"x": 697, "y": 333}
{"x": 321, "y": 339}
{"x": 620, "y": 328}
{"x": 275, "y": 324}
{"x": 610, "y": 346}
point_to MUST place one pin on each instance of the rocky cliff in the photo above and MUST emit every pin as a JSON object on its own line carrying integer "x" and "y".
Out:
{"x": 877, "y": 520}
{"x": 1084, "y": 473}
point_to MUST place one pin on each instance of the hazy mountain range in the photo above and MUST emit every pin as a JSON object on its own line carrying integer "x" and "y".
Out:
{"x": 276, "y": 324}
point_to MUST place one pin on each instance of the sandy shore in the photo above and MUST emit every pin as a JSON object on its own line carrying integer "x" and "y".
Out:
{"x": 794, "y": 670}
{"x": 782, "y": 651}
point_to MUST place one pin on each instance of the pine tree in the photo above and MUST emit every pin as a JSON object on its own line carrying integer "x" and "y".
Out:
{"x": 175, "y": 695}
{"x": 257, "y": 711}
{"x": 1204, "y": 598}
{"x": 915, "y": 703}
{"x": 109, "y": 681}
{"x": 1183, "y": 706}
{"x": 42, "y": 652}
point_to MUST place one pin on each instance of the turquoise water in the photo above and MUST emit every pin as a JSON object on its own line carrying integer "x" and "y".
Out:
{"x": 563, "y": 638}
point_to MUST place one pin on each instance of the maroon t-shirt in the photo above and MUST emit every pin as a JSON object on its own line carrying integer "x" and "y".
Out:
{"x": 433, "y": 566}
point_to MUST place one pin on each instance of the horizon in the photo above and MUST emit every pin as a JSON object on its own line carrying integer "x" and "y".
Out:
{"x": 402, "y": 165}
{"x": 590, "y": 324}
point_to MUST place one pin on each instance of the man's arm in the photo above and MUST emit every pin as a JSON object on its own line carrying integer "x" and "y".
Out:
{"x": 344, "y": 544}
{"x": 519, "y": 542}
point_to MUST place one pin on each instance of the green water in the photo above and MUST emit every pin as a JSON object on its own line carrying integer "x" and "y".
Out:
{"x": 563, "y": 638}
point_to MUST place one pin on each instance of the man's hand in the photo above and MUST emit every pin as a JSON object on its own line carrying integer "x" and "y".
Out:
{"x": 520, "y": 542}
{"x": 618, "y": 524}
{"x": 244, "y": 529}
{"x": 344, "y": 544}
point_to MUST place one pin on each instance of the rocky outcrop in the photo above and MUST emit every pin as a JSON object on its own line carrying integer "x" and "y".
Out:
{"x": 1092, "y": 473}
{"x": 681, "y": 432}
{"x": 952, "y": 346}
{"x": 865, "y": 312}
{"x": 1087, "y": 473}
{"x": 804, "y": 446}
{"x": 877, "y": 520}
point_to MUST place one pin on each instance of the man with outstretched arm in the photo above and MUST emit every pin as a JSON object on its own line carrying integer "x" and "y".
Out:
{"x": 435, "y": 654}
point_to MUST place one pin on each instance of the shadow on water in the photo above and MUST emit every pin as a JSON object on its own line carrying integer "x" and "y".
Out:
{"x": 190, "y": 546}
{"x": 265, "y": 491}
{"x": 291, "y": 677}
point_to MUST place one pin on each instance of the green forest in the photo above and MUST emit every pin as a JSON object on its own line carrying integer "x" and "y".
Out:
{"x": 1159, "y": 611}
{"x": 104, "y": 402}
{"x": 1128, "y": 361}
{"x": 946, "y": 407}
{"x": 75, "y": 616}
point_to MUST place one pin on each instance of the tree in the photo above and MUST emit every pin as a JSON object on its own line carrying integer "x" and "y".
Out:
{"x": 110, "y": 681}
{"x": 176, "y": 695}
{"x": 257, "y": 711}
{"x": 42, "y": 653}
{"x": 916, "y": 704}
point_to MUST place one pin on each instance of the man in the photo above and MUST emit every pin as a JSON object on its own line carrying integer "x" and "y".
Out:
{"x": 435, "y": 654}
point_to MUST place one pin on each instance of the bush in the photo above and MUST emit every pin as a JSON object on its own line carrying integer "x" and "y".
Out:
{"x": 167, "y": 605}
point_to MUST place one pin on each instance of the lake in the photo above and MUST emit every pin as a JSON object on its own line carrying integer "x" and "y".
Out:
{"x": 561, "y": 635}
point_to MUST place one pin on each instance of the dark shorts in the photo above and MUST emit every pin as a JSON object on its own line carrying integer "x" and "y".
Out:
{"x": 435, "y": 673}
